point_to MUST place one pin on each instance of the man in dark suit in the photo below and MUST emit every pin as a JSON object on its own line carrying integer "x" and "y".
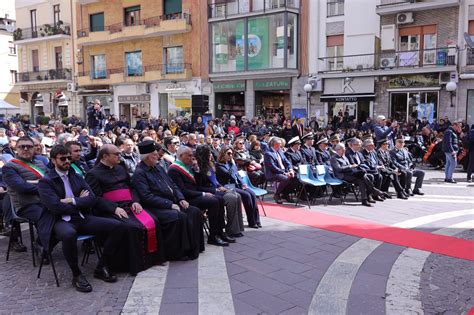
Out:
{"x": 293, "y": 154}
{"x": 373, "y": 164}
{"x": 389, "y": 172}
{"x": 298, "y": 128}
{"x": 307, "y": 150}
{"x": 322, "y": 153}
{"x": 182, "y": 174}
{"x": 181, "y": 223}
{"x": 279, "y": 169}
{"x": 68, "y": 197}
{"x": 351, "y": 173}
{"x": 403, "y": 161}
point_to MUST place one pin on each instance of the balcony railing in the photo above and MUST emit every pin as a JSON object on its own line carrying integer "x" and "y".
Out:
{"x": 45, "y": 75}
{"x": 148, "y": 22}
{"x": 391, "y": 60}
{"x": 42, "y": 31}
{"x": 173, "y": 68}
{"x": 384, "y": 3}
{"x": 234, "y": 7}
{"x": 335, "y": 8}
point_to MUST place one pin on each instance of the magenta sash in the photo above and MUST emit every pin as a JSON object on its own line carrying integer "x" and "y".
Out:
{"x": 144, "y": 218}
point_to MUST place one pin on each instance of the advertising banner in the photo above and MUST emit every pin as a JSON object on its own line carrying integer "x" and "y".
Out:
{"x": 426, "y": 110}
{"x": 258, "y": 42}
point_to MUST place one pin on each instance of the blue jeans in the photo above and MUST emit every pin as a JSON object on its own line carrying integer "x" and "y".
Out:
{"x": 450, "y": 165}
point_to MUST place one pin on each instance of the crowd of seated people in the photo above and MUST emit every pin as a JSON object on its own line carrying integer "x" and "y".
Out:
{"x": 147, "y": 191}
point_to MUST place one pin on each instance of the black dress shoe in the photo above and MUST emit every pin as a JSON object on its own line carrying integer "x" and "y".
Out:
{"x": 227, "y": 238}
{"x": 387, "y": 195}
{"x": 451, "y": 181}
{"x": 81, "y": 284}
{"x": 236, "y": 235}
{"x": 105, "y": 274}
{"x": 289, "y": 199}
{"x": 409, "y": 192}
{"x": 277, "y": 199}
{"x": 19, "y": 247}
{"x": 401, "y": 195}
{"x": 366, "y": 203}
{"x": 418, "y": 192}
{"x": 259, "y": 225}
{"x": 378, "y": 198}
{"x": 216, "y": 240}
{"x": 253, "y": 226}
{"x": 369, "y": 199}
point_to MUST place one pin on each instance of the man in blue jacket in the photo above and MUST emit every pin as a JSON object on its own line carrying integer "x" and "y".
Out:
{"x": 68, "y": 197}
{"x": 450, "y": 148}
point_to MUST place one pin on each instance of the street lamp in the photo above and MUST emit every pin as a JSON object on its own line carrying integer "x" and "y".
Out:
{"x": 451, "y": 87}
{"x": 308, "y": 88}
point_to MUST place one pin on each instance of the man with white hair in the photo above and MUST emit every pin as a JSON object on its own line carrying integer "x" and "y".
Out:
{"x": 382, "y": 131}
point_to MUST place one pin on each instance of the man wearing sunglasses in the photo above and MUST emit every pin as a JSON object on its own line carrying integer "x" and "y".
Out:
{"x": 68, "y": 197}
{"x": 21, "y": 175}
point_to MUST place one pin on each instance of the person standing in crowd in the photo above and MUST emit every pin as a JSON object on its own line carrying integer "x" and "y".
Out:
{"x": 402, "y": 160}
{"x": 95, "y": 118}
{"x": 382, "y": 131}
{"x": 68, "y": 197}
{"x": 450, "y": 146}
{"x": 115, "y": 198}
{"x": 279, "y": 169}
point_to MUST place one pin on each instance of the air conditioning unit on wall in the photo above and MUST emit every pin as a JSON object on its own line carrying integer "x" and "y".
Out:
{"x": 387, "y": 62}
{"x": 404, "y": 18}
{"x": 71, "y": 87}
{"x": 445, "y": 77}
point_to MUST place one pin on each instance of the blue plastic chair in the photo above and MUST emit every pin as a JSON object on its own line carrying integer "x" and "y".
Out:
{"x": 259, "y": 192}
{"x": 323, "y": 171}
{"x": 307, "y": 178}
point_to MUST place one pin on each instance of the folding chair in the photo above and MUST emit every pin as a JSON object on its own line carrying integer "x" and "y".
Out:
{"x": 86, "y": 238}
{"x": 323, "y": 171}
{"x": 259, "y": 192}
{"x": 16, "y": 223}
{"x": 307, "y": 178}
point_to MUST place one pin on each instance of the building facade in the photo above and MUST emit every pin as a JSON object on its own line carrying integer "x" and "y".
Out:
{"x": 395, "y": 62}
{"x": 139, "y": 58}
{"x": 8, "y": 56}
{"x": 45, "y": 57}
{"x": 257, "y": 57}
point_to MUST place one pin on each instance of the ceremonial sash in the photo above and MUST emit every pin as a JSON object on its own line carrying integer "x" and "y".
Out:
{"x": 144, "y": 218}
{"x": 182, "y": 168}
{"x": 77, "y": 169}
{"x": 33, "y": 168}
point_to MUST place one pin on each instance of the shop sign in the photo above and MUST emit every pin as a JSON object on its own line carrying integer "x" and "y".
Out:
{"x": 175, "y": 87}
{"x": 230, "y": 86}
{"x": 134, "y": 98}
{"x": 349, "y": 85}
{"x": 272, "y": 84}
{"x": 414, "y": 81}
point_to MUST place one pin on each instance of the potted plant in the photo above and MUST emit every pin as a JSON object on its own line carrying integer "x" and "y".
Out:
{"x": 42, "y": 33}
{"x": 18, "y": 34}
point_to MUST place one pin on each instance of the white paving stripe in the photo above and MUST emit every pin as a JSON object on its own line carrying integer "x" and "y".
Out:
{"x": 147, "y": 291}
{"x": 428, "y": 199}
{"x": 333, "y": 291}
{"x": 458, "y": 185}
{"x": 215, "y": 296}
{"x": 403, "y": 285}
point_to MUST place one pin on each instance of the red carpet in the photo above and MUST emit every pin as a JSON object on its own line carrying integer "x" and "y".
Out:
{"x": 445, "y": 245}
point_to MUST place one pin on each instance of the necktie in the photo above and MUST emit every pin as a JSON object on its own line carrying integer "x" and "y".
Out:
{"x": 280, "y": 161}
{"x": 68, "y": 194}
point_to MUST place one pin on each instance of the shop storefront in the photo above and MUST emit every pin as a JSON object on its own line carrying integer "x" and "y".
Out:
{"x": 352, "y": 97}
{"x": 414, "y": 97}
{"x": 175, "y": 98}
{"x": 229, "y": 98}
{"x": 134, "y": 107}
{"x": 272, "y": 96}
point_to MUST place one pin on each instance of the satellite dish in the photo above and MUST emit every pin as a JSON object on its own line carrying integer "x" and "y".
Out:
{"x": 468, "y": 40}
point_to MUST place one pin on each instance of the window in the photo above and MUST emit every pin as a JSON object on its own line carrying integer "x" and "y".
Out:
{"x": 174, "y": 62}
{"x": 34, "y": 25}
{"x": 470, "y": 51}
{"x": 412, "y": 105}
{"x": 335, "y": 7}
{"x": 56, "y": 12}
{"x": 98, "y": 67}
{"x": 12, "y": 76}
{"x": 35, "y": 60}
{"x": 335, "y": 52}
{"x": 134, "y": 63}
{"x": 58, "y": 57}
{"x": 97, "y": 22}
{"x": 132, "y": 15}
{"x": 417, "y": 46}
{"x": 12, "y": 48}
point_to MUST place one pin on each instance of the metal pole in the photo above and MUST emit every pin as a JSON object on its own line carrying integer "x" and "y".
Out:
{"x": 308, "y": 96}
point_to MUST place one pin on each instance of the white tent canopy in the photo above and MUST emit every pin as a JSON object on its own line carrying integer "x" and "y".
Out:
{"x": 5, "y": 105}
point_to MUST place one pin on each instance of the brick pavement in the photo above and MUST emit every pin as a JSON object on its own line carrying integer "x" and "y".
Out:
{"x": 275, "y": 270}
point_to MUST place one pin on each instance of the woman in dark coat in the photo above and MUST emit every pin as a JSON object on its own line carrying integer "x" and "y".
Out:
{"x": 227, "y": 174}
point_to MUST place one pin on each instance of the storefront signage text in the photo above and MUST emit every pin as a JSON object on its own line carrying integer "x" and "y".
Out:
{"x": 229, "y": 86}
{"x": 276, "y": 84}
{"x": 414, "y": 81}
{"x": 346, "y": 99}
{"x": 175, "y": 87}
{"x": 134, "y": 98}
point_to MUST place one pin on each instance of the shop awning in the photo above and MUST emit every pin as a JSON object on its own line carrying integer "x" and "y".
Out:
{"x": 345, "y": 97}
{"x": 183, "y": 102}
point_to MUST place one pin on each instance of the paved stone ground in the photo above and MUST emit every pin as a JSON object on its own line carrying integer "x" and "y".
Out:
{"x": 280, "y": 269}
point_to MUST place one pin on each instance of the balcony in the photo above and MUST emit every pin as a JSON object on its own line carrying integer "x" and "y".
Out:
{"x": 42, "y": 76}
{"x": 228, "y": 8}
{"x": 150, "y": 27}
{"x": 179, "y": 71}
{"x": 387, "y": 7}
{"x": 42, "y": 33}
{"x": 395, "y": 62}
